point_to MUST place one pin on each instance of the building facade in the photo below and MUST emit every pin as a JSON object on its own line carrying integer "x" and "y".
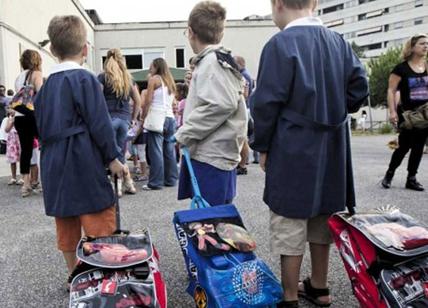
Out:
{"x": 20, "y": 30}
{"x": 143, "y": 42}
{"x": 375, "y": 25}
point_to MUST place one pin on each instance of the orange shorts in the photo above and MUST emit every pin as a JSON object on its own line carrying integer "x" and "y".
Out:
{"x": 69, "y": 229}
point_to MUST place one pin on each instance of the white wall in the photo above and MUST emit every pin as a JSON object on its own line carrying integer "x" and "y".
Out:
{"x": 242, "y": 37}
{"x": 20, "y": 30}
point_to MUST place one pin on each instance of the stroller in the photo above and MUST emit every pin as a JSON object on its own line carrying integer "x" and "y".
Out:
{"x": 385, "y": 253}
{"x": 222, "y": 267}
{"x": 116, "y": 271}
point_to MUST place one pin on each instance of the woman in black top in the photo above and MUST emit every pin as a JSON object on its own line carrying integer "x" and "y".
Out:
{"x": 411, "y": 79}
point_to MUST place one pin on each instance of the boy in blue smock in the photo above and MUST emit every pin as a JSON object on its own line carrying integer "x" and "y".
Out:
{"x": 308, "y": 81}
{"x": 215, "y": 120}
{"x": 77, "y": 142}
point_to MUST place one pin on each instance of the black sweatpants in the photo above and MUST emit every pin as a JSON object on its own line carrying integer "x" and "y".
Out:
{"x": 27, "y": 131}
{"x": 413, "y": 140}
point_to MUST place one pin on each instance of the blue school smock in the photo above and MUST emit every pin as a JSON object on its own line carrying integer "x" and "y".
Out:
{"x": 77, "y": 143}
{"x": 308, "y": 80}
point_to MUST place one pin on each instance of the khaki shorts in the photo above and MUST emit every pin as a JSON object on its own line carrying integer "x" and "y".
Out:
{"x": 69, "y": 229}
{"x": 288, "y": 236}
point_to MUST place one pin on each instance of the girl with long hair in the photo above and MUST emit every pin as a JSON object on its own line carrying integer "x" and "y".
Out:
{"x": 119, "y": 89}
{"x": 410, "y": 78}
{"x": 25, "y": 125}
{"x": 161, "y": 153}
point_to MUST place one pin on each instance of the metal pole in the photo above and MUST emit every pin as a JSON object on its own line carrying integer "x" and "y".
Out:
{"x": 370, "y": 114}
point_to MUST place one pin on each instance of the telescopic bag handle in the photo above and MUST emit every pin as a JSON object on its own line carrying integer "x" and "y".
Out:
{"x": 117, "y": 206}
{"x": 197, "y": 201}
{"x": 350, "y": 189}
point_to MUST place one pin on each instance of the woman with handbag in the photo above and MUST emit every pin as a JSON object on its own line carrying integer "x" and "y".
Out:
{"x": 411, "y": 79}
{"x": 160, "y": 123}
{"x": 25, "y": 123}
{"x": 119, "y": 89}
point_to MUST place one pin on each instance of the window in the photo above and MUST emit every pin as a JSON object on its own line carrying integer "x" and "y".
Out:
{"x": 179, "y": 58}
{"x": 419, "y": 3}
{"x": 419, "y": 21}
{"x": 150, "y": 55}
{"x": 134, "y": 62}
{"x": 372, "y": 46}
{"x": 362, "y": 16}
{"x": 333, "y": 9}
{"x": 386, "y": 28}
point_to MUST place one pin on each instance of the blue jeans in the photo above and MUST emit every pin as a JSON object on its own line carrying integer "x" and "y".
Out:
{"x": 161, "y": 152}
{"x": 169, "y": 154}
{"x": 120, "y": 128}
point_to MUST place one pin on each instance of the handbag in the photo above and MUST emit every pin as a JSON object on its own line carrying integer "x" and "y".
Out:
{"x": 155, "y": 118}
{"x": 22, "y": 102}
{"x": 416, "y": 119}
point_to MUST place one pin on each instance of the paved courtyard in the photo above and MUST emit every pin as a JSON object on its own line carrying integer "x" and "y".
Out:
{"x": 33, "y": 273}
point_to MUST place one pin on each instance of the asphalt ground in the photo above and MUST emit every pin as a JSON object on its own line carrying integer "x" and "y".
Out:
{"x": 32, "y": 271}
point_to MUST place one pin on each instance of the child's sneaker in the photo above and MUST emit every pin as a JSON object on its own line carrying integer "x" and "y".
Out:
{"x": 12, "y": 181}
{"x": 136, "y": 170}
{"x": 26, "y": 191}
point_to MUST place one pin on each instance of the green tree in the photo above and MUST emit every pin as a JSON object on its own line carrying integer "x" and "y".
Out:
{"x": 379, "y": 70}
{"x": 359, "y": 51}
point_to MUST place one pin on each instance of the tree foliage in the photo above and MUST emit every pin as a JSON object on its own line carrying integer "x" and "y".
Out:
{"x": 379, "y": 70}
{"x": 359, "y": 51}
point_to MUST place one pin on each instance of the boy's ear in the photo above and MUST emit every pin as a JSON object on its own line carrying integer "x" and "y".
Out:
{"x": 85, "y": 50}
{"x": 278, "y": 4}
{"x": 52, "y": 51}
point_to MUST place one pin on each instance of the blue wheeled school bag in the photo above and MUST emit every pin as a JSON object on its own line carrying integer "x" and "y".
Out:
{"x": 218, "y": 251}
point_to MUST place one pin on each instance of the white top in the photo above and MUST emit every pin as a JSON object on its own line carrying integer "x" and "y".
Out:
{"x": 305, "y": 21}
{"x": 3, "y": 134}
{"x": 163, "y": 100}
{"x": 20, "y": 80}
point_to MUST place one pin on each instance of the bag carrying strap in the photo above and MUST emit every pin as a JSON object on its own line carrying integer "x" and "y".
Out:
{"x": 197, "y": 201}
{"x": 28, "y": 78}
{"x": 68, "y": 132}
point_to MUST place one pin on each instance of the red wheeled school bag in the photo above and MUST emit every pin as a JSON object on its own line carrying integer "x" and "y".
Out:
{"x": 385, "y": 254}
{"x": 118, "y": 271}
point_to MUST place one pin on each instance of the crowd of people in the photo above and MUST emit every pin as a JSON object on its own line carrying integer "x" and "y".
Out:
{"x": 295, "y": 121}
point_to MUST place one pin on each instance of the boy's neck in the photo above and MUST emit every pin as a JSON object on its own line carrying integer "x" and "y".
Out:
{"x": 200, "y": 47}
{"x": 290, "y": 15}
{"x": 79, "y": 60}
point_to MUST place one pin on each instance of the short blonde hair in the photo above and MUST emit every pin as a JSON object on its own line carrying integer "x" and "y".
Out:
{"x": 407, "y": 53}
{"x": 67, "y": 35}
{"x": 207, "y": 21}
{"x": 299, "y": 4}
